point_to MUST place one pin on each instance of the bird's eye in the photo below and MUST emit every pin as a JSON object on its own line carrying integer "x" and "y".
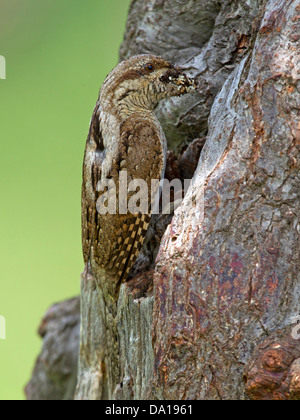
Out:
{"x": 149, "y": 67}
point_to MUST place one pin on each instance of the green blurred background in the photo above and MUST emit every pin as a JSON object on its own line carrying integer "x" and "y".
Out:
{"x": 57, "y": 53}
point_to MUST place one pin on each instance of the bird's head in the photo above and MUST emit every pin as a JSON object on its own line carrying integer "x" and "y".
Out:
{"x": 140, "y": 82}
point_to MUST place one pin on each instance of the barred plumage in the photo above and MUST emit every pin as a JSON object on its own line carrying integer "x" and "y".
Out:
{"x": 125, "y": 135}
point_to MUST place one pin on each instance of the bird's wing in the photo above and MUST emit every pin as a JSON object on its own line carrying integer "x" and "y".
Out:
{"x": 91, "y": 174}
{"x": 113, "y": 241}
{"x": 141, "y": 155}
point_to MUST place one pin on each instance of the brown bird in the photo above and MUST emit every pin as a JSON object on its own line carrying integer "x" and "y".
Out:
{"x": 125, "y": 138}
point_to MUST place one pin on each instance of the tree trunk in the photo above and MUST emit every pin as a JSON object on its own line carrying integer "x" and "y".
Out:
{"x": 219, "y": 320}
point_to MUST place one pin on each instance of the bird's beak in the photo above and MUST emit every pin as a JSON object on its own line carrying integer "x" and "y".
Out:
{"x": 179, "y": 81}
{"x": 185, "y": 83}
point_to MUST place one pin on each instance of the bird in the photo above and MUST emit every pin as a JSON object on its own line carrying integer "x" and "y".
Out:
{"x": 125, "y": 140}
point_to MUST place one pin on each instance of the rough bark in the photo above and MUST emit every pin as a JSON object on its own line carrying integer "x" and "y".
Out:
{"x": 55, "y": 373}
{"x": 218, "y": 322}
{"x": 224, "y": 285}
